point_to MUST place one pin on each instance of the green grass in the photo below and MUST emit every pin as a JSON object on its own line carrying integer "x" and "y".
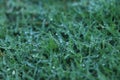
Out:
{"x": 59, "y": 40}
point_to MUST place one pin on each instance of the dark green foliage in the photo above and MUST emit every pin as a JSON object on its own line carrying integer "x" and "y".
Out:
{"x": 59, "y": 40}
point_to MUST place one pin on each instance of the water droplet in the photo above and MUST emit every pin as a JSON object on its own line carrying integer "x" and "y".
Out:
{"x": 83, "y": 65}
{"x": 103, "y": 64}
{"x": 56, "y": 34}
{"x": 51, "y": 19}
{"x": 62, "y": 25}
{"x": 67, "y": 43}
{"x": 104, "y": 57}
{"x": 13, "y": 73}
{"x": 53, "y": 67}
{"x": 8, "y": 69}
{"x": 97, "y": 56}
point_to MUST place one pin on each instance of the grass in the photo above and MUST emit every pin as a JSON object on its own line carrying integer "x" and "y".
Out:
{"x": 62, "y": 40}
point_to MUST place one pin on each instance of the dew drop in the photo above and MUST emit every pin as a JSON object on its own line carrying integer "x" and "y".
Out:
{"x": 13, "y": 72}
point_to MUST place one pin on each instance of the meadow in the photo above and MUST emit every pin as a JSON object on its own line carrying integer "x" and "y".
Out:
{"x": 59, "y": 40}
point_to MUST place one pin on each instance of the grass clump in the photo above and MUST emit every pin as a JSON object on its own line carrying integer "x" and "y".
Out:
{"x": 63, "y": 40}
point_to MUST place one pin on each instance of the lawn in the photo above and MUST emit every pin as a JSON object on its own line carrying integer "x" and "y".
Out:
{"x": 59, "y": 40}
